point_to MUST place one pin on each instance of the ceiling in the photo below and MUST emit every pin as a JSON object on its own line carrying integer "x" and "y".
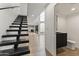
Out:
{"x": 65, "y": 9}
{"x": 34, "y": 9}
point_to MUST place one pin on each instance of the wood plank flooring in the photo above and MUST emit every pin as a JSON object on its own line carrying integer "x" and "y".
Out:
{"x": 36, "y": 45}
{"x": 67, "y": 52}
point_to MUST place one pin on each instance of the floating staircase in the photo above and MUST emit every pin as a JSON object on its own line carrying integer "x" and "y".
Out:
{"x": 16, "y": 50}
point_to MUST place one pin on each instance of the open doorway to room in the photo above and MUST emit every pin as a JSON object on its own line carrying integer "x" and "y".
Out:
{"x": 67, "y": 29}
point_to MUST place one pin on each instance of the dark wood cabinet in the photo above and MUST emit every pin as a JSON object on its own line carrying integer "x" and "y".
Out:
{"x": 61, "y": 39}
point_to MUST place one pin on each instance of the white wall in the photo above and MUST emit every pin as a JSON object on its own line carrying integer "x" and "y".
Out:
{"x": 35, "y": 21}
{"x": 73, "y": 28}
{"x": 61, "y": 24}
{"x": 50, "y": 40}
{"x": 34, "y": 9}
{"x": 7, "y": 16}
{"x": 23, "y": 9}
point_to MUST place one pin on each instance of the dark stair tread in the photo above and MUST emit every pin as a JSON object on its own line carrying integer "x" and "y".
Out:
{"x": 12, "y": 52}
{"x": 22, "y": 16}
{"x": 11, "y": 42}
{"x": 15, "y": 30}
{"x": 14, "y": 35}
{"x": 18, "y": 26}
{"x": 19, "y": 21}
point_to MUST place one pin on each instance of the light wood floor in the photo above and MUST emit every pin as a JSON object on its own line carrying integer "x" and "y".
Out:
{"x": 67, "y": 52}
{"x": 36, "y": 45}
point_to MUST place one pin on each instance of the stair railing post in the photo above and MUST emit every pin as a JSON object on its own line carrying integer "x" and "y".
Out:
{"x": 18, "y": 36}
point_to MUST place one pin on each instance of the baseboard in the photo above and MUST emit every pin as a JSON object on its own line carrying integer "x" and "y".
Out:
{"x": 48, "y": 53}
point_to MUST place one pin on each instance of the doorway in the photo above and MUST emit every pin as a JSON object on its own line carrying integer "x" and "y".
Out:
{"x": 67, "y": 29}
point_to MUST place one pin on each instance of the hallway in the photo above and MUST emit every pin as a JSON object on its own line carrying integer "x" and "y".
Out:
{"x": 36, "y": 45}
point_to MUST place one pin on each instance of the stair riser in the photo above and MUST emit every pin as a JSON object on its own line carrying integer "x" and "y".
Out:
{"x": 14, "y": 38}
{"x": 9, "y": 38}
{"x": 25, "y": 37}
{"x": 11, "y": 46}
{"x": 14, "y": 43}
{"x": 19, "y": 25}
{"x": 24, "y": 44}
{"x": 24, "y": 25}
{"x": 6, "y": 47}
{"x": 23, "y": 32}
{"x": 18, "y": 28}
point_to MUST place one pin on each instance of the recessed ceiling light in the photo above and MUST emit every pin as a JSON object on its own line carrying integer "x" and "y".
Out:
{"x": 73, "y": 9}
{"x": 32, "y": 15}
